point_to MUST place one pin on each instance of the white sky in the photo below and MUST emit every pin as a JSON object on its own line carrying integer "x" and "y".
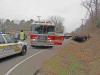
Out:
{"x": 71, "y": 10}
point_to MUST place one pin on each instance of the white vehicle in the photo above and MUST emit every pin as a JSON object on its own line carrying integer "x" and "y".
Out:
{"x": 9, "y": 46}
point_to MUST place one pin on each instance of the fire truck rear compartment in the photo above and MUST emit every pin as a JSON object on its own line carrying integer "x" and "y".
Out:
{"x": 42, "y": 41}
{"x": 41, "y": 44}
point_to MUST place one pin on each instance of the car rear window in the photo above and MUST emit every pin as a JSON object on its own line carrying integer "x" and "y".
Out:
{"x": 9, "y": 39}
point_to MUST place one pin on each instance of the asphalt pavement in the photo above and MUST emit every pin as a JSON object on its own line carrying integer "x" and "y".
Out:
{"x": 31, "y": 62}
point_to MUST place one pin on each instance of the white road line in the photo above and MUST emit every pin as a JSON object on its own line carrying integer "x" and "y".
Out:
{"x": 22, "y": 62}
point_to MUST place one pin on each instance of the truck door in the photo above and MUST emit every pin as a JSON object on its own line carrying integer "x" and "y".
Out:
{"x": 59, "y": 35}
{"x": 3, "y": 47}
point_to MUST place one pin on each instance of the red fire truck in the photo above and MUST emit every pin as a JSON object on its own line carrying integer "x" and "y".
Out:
{"x": 46, "y": 34}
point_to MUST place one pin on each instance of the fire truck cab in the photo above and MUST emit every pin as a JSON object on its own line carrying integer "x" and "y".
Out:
{"x": 46, "y": 34}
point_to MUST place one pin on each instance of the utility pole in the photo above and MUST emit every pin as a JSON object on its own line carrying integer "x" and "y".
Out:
{"x": 82, "y": 25}
{"x": 2, "y": 25}
{"x": 39, "y": 18}
{"x": 4, "y": 28}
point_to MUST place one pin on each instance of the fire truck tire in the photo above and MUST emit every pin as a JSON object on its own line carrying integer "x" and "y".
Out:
{"x": 50, "y": 46}
{"x": 24, "y": 50}
{"x": 32, "y": 46}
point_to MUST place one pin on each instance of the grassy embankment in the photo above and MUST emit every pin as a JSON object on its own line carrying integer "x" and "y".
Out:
{"x": 76, "y": 58}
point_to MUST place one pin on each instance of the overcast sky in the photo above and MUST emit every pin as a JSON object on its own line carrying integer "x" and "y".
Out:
{"x": 71, "y": 10}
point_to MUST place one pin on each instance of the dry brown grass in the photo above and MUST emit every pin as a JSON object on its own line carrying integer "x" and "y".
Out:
{"x": 76, "y": 58}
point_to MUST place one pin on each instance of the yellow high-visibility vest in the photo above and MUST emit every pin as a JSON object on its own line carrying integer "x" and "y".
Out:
{"x": 21, "y": 36}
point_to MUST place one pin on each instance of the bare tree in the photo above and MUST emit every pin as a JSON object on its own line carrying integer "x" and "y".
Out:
{"x": 58, "y": 20}
{"x": 92, "y": 7}
{"x": 31, "y": 20}
{"x": 16, "y": 21}
{"x": 99, "y": 10}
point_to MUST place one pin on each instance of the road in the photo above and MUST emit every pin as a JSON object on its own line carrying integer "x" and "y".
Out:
{"x": 31, "y": 62}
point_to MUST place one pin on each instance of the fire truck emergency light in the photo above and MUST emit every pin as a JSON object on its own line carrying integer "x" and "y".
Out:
{"x": 51, "y": 22}
{"x": 0, "y": 32}
{"x": 45, "y": 22}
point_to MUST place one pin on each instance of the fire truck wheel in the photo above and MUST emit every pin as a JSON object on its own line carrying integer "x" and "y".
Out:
{"x": 50, "y": 46}
{"x": 24, "y": 50}
{"x": 32, "y": 46}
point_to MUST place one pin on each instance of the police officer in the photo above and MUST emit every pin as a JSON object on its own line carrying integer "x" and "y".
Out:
{"x": 22, "y": 36}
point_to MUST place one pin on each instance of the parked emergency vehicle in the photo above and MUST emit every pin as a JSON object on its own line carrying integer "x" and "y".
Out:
{"x": 9, "y": 46}
{"x": 46, "y": 34}
{"x": 71, "y": 34}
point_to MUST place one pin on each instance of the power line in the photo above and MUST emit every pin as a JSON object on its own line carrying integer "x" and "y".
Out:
{"x": 11, "y": 6}
{"x": 16, "y": 7}
{"x": 12, "y": 13}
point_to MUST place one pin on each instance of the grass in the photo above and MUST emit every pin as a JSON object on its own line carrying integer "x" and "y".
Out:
{"x": 95, "y": 66}
{"x": 63, "y": 64}
{"x": 76, "y": 59}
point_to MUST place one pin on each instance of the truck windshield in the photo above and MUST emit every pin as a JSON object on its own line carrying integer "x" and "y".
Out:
{"x": 59, "y": 29}
{"x": 42, "y": 29}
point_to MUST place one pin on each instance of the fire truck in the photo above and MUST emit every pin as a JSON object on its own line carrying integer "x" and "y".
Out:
{"x": 46, "y": 34}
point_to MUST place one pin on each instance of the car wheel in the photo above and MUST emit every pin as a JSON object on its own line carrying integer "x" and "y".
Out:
{"x": 24, "y": 50}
